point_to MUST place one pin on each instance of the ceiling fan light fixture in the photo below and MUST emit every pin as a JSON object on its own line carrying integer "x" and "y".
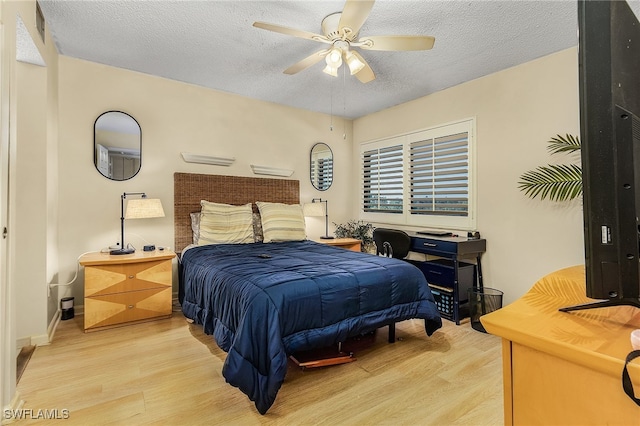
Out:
{"x": 355, "y": 64}
{"x": 331, "y": 70}
{"x": 334, "y": 57}
{"x": 341, "y": 31}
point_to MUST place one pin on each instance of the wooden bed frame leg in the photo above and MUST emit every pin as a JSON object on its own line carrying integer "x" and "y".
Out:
{"x": 392, "y": 332}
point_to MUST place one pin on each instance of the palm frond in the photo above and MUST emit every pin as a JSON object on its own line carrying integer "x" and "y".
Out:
{"x": 558, "y": 182}
{"x": 567, "y": 143}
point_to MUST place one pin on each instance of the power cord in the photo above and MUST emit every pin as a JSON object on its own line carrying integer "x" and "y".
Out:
{"x": 50, "y": 285}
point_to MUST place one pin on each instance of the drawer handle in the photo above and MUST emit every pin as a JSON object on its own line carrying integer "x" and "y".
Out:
{"x": 130, "y": 306}
{"x": 131, "y": 277}
{"x": 430, "y": 245}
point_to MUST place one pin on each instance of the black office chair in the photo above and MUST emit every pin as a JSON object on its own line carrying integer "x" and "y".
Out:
{"x": 392, "y": 242}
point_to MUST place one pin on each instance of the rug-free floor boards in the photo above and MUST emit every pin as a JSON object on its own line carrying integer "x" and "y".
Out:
{"x": 168, "y": 372}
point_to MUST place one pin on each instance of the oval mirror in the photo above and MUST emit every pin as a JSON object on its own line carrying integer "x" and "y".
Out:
{"x": 321, "y": 166}
{"x": 117, "y": 143}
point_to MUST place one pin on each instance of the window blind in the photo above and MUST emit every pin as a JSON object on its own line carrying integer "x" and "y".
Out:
{"x": 382, "y": 174}
{"x": 439, "y": 176}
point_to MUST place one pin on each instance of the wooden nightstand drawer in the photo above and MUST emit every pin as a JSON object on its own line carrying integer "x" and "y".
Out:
{"x": 120, "y": 308}
{"x": 108, "y": 279}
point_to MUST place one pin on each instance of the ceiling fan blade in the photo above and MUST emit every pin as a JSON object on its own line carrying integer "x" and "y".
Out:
{"x": 366, "y": 74}
{"x": 290, "y": 31}
{"x": 396, "y": 42}
{"x": 307, "y": 62}
{"x": 354, "y": 14}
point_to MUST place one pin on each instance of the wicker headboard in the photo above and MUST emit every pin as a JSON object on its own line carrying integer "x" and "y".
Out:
{"x": 190, "y": 188}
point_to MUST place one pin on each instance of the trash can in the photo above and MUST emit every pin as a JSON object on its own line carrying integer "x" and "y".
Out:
{"x": 482, "y": 301}
{"x": 66, "y": 306}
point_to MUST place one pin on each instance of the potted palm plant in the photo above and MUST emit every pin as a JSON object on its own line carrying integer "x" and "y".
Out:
{"x": 558, "y": 182}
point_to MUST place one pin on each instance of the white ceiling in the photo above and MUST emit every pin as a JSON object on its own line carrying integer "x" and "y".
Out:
{"x": 213, "y": 44}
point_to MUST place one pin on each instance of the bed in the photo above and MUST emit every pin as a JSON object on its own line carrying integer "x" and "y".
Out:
{"x": 263, "y": 301}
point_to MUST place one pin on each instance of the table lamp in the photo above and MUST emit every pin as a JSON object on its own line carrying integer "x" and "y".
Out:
{"x": 315, "y": 209}
{"x": 140, "y": 208}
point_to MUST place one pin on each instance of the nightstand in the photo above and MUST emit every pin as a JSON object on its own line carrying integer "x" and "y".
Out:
{"x": 346, "y": 243}
{"x": 125, "y": 289}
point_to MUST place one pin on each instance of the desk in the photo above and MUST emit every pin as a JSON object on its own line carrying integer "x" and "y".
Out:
{"x": 564, "y": 368}
{"x": 449, "y": 277}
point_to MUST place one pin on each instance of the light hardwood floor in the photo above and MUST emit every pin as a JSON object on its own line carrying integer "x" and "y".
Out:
{"x": 168, "y": 372}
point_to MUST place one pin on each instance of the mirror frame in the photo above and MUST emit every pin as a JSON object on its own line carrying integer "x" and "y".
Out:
{"x": 95, "y": 145}
{"x": 311, "y": 168}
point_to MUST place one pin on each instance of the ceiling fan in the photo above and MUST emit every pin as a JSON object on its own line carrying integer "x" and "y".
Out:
{"x": 340, "y": 31}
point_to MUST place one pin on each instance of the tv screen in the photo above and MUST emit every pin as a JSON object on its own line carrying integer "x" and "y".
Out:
{"x": 609, "y": 79}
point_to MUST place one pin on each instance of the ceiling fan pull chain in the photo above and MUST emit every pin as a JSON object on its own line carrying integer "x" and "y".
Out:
{"x": 331, "y": 106}
{"x": 344, "y": 103}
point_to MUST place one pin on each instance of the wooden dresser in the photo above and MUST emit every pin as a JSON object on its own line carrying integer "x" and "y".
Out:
{"x": 125, "y": 289}
{"x": 565, "y": 368}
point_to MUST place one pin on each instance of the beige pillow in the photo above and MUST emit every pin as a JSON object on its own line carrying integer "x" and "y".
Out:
{"x": 282, "y": 222}
{"x": 225, "y": 224}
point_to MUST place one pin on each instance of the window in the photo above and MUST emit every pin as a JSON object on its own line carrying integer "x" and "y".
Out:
{"x": 423, "y": 178}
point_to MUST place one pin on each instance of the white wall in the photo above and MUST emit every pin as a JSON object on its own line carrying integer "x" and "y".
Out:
{"x": 175, "y": 117}
{"x": 28, "y": 100}
{"x": 517, "y": 111}
{"x": 30, "y": 201}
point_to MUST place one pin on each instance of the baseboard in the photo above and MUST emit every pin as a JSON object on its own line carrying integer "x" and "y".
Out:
{"x": 14, "y": 406}
{"x": 78, "y": 310}
{"x": 42, "y": 339}
{"x": 175, "y": 303}
{"x": 53, "y": 325}
{"x": 21, "y": 343}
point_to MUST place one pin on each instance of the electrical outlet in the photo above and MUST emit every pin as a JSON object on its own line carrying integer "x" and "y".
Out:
{"x": 115, "y": 246}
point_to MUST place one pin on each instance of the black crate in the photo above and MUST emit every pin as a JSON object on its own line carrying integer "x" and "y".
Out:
{"x": 441, "y": 273}
{"x": 444, "y": 300}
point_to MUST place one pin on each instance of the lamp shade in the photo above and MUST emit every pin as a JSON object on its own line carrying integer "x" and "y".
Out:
{"x": 355, "y": 64}
{"x": 144, "y": 208}
{"x": 334, "y": 57}
{"x": 313, "y": 209}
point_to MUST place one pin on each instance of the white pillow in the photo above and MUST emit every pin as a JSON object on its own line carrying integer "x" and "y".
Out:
{"x": 282, "y": 222}
{"x": 225, "y": 224}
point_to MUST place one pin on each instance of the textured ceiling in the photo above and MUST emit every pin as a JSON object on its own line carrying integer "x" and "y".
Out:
{"x": 213, "y": 44}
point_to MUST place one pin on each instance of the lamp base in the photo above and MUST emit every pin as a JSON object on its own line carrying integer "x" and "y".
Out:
{"x": 327, "y": 237}
{"x": 122, "y": 251}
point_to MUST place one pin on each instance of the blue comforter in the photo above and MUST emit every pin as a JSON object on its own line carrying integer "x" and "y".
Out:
{"x": 263, "y": 302}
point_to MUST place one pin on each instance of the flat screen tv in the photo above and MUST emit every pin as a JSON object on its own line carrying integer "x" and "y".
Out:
{"x": 609, "y": 79}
